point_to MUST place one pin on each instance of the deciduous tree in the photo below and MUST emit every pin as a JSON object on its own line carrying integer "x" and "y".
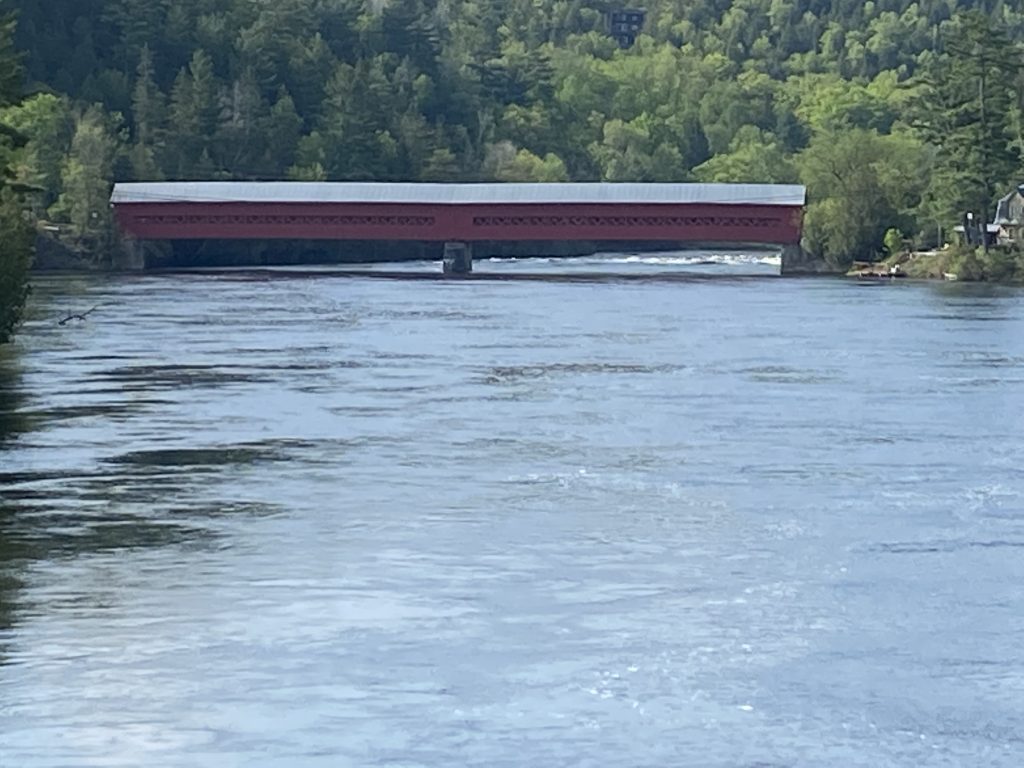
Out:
{"x": 17, "y": 234}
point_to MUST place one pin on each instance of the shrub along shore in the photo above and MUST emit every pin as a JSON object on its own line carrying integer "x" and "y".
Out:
{"x": 959, "y": 263}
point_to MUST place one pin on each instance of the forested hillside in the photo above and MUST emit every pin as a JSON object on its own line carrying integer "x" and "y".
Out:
{"x": 874, "y": 105}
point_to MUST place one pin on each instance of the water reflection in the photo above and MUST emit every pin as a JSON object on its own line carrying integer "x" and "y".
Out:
{"x": 9, "y": 581}
{"x": 972, "y": 302}
{"x": 418, "y": 523}
{"x": 131, "y": 501}
{"x": 12, "y": 423}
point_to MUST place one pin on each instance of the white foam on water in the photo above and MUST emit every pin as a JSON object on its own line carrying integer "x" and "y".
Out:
{"x": 669, "y": 259}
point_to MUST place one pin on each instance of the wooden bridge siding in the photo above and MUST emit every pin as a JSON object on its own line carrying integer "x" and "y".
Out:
{"x": 390, "y": 221}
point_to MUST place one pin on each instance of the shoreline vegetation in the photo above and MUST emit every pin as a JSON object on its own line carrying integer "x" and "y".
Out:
{"x": 997, "y": 264}
{"x": 898, "y": 116}
{"x": 951, "y": 263}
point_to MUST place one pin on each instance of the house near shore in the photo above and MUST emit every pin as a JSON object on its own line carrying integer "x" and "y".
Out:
{"x": 1009, "y": 220}
{"x": 1007, "y": 228}
{"x": 971, "y": 232}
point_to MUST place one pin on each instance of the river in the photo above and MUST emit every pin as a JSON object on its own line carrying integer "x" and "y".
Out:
{"x": 259, "y": 519}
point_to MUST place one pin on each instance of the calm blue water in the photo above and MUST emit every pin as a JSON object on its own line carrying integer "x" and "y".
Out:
{"x": 327, "y": 521}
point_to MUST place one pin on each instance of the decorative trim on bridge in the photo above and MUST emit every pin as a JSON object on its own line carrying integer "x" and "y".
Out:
{"x": 626, "y": 221}
{"x": 287, "y": 220}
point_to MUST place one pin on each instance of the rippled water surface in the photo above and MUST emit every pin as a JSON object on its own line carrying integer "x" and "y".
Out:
{"x": 260, "y": 520}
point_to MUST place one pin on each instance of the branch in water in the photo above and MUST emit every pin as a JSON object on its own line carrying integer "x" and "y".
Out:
{"x": 82, "y": 316}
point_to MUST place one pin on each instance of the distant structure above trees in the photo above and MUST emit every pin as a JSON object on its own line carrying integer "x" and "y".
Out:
{"x": 626, "y": 25}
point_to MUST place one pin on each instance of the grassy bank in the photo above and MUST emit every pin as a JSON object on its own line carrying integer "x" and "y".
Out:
{"x": 998, "y": 265}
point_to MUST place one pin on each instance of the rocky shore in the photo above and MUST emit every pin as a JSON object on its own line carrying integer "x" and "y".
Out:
{"x": 997, "y": 265}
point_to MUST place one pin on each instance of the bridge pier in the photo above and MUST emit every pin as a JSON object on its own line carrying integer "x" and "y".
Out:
{"x": 458, "y": 258}
{"x": 797, "y": 261}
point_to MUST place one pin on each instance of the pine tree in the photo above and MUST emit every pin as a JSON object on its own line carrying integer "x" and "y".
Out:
{"x": 148, "y": 102}
{"x": 965, "y": 109}
{"x": 194, "y": 116}
{"x": 148, "y": 113}
{"x": 282, "y": 128}
{"x": 241, "y": 141}
{"x": 11, "y": 73}
{"x": 16, "y": 254}
{"x": 137, "y": 23}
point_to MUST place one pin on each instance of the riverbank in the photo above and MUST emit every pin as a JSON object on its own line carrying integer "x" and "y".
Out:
{"x": 997, "y": 265}
{"x": 57, "y": 254}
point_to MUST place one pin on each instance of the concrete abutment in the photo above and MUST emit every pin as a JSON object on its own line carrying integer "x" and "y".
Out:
{"x": 458, "y": 258}
{"x": 797, "y": 261}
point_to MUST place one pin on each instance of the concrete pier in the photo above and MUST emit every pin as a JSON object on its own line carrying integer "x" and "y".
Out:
{"x": 797, "y": 261}
{"x": 458, "y": 258}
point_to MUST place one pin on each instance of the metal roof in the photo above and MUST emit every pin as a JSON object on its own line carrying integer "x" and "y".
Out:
{"x": 1003, "y": 207}
{"x": 454, "y": 194}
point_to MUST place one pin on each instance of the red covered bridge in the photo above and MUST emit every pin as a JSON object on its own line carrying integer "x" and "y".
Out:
{"x": 459, "y": 215}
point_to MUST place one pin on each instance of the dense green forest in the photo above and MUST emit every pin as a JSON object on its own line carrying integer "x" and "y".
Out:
{"x": 897, "y": 115}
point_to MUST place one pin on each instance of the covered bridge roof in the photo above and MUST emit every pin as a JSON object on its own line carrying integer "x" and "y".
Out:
{"x": 456, "y": 194}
